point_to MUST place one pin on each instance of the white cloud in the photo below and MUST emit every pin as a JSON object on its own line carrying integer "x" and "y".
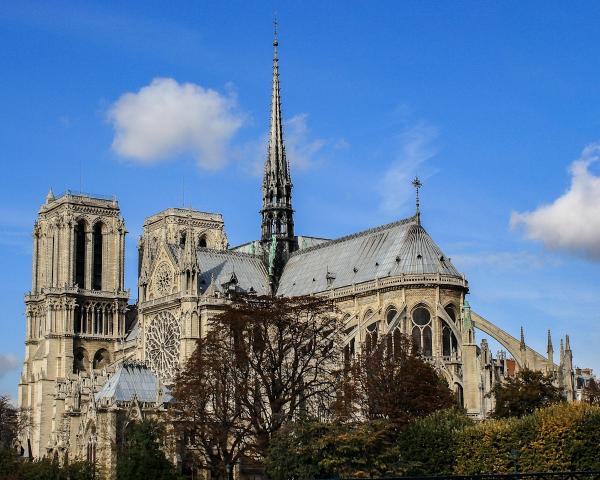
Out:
{"x": 572, "y": 221}
{"x": 301, "y": 151}
{"x": 167, "y": 118}
{"x": 8, "y": 363}
{"x": 503, "y": 261}
{"x": 416, "y": 147}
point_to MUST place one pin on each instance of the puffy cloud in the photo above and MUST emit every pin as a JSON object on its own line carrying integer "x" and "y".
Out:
{"x": 8, "y": 363}
{"x": 301, "y": 151}
{"x": 167, "y": 118}
{"x": 572, "y": 221}
{"x": 416, "y": 147}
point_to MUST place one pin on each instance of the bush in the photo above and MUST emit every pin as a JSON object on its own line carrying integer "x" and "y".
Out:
{"x": 314, "y": 449}
{"x": 13, "y": 467}
{"x": 428, "y": 446}
{"x": 561, "y": 437}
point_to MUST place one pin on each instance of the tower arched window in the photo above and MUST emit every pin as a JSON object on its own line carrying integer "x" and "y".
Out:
{"x": 421, "y": 331}
{"x": 79, "y": 248}
{"x": 101, "y": 359}
{"x": 449, "y": 309}
{"x": 202, "y": 241}
{"x": 80, "y": 360}
{"x": 449, "y": 342}
{"x": 97, "y": 264}
{"x": 371, "y": 337}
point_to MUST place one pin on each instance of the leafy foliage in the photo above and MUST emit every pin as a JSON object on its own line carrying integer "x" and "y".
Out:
{"x": 523, "y": 393}
{"x": 13, "y": 467}
{"x": 562, "y": 437}
{"x": 142, "y": 457}
{"x": 393, "y": 382}
{"x": 591, "y": 393}
{"x": 313, "y": 449}
{"x": 428, "y": 445}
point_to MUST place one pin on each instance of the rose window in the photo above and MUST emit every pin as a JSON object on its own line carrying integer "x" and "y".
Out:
{"x": 163, "y": 280}
{"x": 162, "y": 345}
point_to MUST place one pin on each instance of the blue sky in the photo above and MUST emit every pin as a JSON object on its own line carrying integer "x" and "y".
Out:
{"x": 495, "y": 105}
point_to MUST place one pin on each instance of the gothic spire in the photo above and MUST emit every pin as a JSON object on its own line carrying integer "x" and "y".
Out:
{"x": 550, "y": 347}
{"x": 522, "y": 345}
{"x": 277, "y": 213}
{"x": 277, "y": 229}
{"x": 277, "y": 171}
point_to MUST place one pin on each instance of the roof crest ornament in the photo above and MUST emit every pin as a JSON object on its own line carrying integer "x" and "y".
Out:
{"x": 417, "y": 184}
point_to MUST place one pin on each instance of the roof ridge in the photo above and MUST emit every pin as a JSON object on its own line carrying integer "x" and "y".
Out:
{"x": 228, "y": 252}
{"x": 335, "y": 241}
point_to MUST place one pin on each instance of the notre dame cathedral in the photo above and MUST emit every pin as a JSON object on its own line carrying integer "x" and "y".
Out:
{"x": 94, "y": 362}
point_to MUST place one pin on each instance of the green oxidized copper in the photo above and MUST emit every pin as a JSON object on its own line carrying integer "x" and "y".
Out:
{"x": 467, "y": 322}
{"x": 272, "y": 252}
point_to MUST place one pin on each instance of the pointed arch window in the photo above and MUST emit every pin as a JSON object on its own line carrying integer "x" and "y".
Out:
{"x": 421, "y": 331}
{"x": 371, "y": 337}
{"x": 79, "y": 248}
{"x": 449, "y": 342}
{"x": 202, "y": 241}
{"x": 97, "y": 265}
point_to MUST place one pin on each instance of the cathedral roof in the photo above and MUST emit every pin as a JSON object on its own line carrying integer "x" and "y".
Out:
{"x": 221, "y": 265}
{"x": 402, "y": 247}
{"x": 129, "y": 381}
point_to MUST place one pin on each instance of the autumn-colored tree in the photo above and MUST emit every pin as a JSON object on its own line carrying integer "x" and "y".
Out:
{"x": 393, "y": 382}
{"x": 208, "y": 409}
{"x": 264, "y": 361}
{"x": 525, "y": 392}
{"x": 591, "y": 393}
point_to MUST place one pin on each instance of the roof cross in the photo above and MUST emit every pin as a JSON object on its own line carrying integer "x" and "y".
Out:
{"x": 417, "y": 184}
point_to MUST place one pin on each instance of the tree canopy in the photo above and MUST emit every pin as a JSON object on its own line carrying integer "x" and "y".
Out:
{"x": 525, "y": 392}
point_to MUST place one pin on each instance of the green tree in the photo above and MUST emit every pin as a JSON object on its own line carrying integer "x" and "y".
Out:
{"x": 393, "y": 382}
{"x": 141, "y": 457}
{"x": 428, "y": 445}
{"x": 312, "y": 449}
{"x": 523, "y": 393}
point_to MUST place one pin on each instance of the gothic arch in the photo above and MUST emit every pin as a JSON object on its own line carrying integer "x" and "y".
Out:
{"x": 101, "y": 359}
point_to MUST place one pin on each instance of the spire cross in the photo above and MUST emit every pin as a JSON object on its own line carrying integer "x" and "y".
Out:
{"x": 275, "y": 24}
{"x": 417, "y": 184}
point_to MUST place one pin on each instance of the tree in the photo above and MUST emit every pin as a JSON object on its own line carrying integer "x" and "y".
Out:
{"x": 264, "y": 361}
{"x": 523, "y": 393}
{"x": 9, "y": 422}
{"x": 393, "y": 382}
{"x": 312, "y": 449}
{"x": 591, "y": 393}
{"x": 207, "y": 409}
{"x": 428, "y": 445}
{"x": 141, "y": 457}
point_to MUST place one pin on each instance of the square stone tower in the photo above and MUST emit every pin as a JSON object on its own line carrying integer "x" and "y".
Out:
{"x": 75, "y": 312}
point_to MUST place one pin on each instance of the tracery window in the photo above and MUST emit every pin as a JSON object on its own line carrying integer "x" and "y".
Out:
{"x": 162, "y": 345}
{"x": 421, "y": 331}
{"x": 449, "y": 342}
{"x": 371, "y": 336}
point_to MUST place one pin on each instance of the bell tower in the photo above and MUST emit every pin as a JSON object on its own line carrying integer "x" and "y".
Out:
{"x": 277, "y": 235}
{"x": 75, "y": 311}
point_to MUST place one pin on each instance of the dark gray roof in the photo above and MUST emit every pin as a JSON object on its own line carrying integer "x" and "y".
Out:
{"x": 249, "y": 270}
{"x": 402, "y": 247}
{"x": 131, "y": 380}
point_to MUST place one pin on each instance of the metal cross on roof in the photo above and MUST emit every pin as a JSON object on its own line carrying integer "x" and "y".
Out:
{"x": 417, "y": 184}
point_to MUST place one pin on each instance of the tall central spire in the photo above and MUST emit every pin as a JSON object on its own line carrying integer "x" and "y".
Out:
{"x": 277, "y": 231}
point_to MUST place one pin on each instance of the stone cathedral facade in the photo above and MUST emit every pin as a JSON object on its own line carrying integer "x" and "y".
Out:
{"x": 94, "y": 363}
